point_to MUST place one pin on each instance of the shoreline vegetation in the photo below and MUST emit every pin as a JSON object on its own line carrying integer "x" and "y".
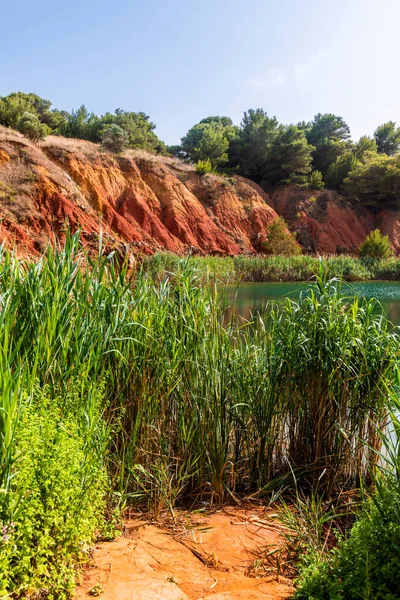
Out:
{"x": 120, "y": 389}
{"x": 265, "y": 269}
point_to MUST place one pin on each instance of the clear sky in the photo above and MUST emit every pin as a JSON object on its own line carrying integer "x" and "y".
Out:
{"x": 180, "y": 61}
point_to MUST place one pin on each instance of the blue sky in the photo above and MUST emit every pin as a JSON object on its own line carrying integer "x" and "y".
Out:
{"x": 180, "y": 61}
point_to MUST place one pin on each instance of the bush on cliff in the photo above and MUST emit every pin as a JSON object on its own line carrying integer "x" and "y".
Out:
{"x": 376, "y": 246}
{"x": 204, "y": 166}
{"x": 30, "y": 126}
{"x": 280, "y": 241}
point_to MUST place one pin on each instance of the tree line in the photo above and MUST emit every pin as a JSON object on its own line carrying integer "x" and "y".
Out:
{"x": 34, "y": 117}
{"x": 314, "y": 154}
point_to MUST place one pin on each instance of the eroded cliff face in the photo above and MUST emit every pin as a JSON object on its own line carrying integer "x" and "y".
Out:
{"x": 326, "y": 223}
{"x": 137, "y": 200}
{"x": 142, "y": 203}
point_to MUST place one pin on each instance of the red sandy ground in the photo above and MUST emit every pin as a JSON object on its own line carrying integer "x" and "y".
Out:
{"x": 214, "y": 557}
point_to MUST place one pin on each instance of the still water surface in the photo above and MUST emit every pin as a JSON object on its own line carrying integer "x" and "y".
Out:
{"x": 249, "y": 298}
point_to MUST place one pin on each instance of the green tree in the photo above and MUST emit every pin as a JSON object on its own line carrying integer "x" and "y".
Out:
{"x": 13, "y": 106}
{"x": 279, "y": 240}
{"x": 176, "y": 150}
{"x": 250, "y": 149}
{"x": 387, "y": 138}
{"x": 114, "y": 138}
{"x": 376, "y": 246}
{"x": 329, "y": 134}
{"x": 83, "y": 125}
{"x": 209, "y": 140}
{"x": 365, "y": 144}
{"x": 316, "y": 180}
{"x": 339, "y": 170}
{"x": 139, "y": 128}
{"x": 30, "y": 126}
{"x": 289, "y": 158}
{"x": 376, "y": 181}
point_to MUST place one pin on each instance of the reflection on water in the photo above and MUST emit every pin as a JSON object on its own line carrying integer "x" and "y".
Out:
{"x": 249, "y": 298}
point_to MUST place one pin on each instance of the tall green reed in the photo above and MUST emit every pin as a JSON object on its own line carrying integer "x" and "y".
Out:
{"x": 201, "y": 406}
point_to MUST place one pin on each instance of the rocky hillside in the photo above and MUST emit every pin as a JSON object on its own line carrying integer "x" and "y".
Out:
{"x": 138, "y": 200}
{"x": 143, "y": 203}
{"x": 326, "y": 223}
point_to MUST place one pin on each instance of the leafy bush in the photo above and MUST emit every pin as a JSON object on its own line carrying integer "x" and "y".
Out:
{"x": 60, "y": 473}
{"x": 367, "y": 564}
{"x": 204, "y": 166}
{"x": 280, "y": 241}
{"x": 376, "y": 246}
{"x": 114, "y": 138}
{"x": 30, "y": 126}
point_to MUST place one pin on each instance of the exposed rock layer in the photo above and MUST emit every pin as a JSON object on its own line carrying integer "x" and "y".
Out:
{"x": 147, "y": 203}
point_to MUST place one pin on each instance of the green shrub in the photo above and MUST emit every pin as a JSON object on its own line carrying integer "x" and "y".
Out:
{"x": 280, "y": 241}
{"x": 30, "y": 126}
{"x": 367, "y": 564}
{"x": 114, "y": 138}
{"x": 376, "y": 246}
{"x": 204, "y": 166}
{"x": 60, "y": 473}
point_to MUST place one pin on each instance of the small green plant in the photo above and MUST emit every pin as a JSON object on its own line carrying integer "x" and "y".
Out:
{"x": 31, "y": 176}
{"x": 312, "y": 199}
{"x": 96, "y": 590}
{"x": 204, "y": 166}
{"x": 376, "y": 246}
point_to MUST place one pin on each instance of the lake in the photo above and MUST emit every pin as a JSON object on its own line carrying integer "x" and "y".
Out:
{"x": 249, "y": 298}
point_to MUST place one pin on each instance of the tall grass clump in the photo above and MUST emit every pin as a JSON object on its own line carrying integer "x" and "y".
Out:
{"x": 366, "y": 562}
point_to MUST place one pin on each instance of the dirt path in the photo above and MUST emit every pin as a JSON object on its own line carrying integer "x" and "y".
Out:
{"x": 214, "y": 556}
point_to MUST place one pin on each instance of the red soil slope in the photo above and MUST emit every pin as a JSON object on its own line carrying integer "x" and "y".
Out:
{"x": 323, "y": 221}
{"x": 143, "y": 203}
{"x": 139, "y": 201}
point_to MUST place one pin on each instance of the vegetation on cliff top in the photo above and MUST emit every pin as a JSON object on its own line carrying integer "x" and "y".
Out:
{"x": 310, "y": 154}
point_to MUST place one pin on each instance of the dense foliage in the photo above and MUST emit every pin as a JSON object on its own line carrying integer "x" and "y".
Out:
{"x": 79, "y": 123}
{"x": 114, "y": 138}
{"x": 315, "y": 154}
{"x": 116, "y": 389}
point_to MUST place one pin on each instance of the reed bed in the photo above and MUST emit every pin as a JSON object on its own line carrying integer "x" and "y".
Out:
{"x": 154, "y": 398}
{"x": 259, "y": 268}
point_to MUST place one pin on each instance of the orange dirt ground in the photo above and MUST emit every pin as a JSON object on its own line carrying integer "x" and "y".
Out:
{"x": 207, "y": 556}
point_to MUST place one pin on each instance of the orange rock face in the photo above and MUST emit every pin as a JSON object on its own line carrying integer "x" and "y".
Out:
{"x": 137, "y": 200}
{"x": 143, "y": 203}
{"x": 324, "y": 222}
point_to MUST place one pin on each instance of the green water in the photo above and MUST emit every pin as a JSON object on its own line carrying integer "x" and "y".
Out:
{"x": 249, "y": 298}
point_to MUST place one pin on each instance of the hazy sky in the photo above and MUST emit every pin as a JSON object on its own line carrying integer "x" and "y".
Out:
{"x": 180, "y": 61}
